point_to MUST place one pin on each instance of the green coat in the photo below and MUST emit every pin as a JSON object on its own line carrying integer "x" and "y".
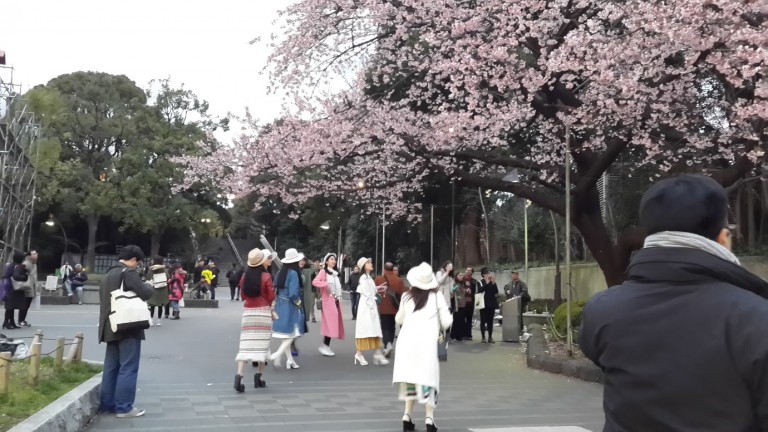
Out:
{"x": 307, "y": 291}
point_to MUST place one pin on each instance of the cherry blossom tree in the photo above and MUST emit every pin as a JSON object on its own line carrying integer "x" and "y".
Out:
{"x": 474, "y": 89}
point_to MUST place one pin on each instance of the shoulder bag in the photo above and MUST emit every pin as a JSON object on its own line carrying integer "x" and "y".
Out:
{"x": 128, "y": 310}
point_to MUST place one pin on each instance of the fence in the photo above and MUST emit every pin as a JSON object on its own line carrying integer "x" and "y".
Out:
{"x": 35, "y": 356}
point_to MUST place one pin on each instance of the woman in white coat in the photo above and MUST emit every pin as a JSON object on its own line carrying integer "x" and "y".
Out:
{"x": 368, "y": 326}
{"x": 423, "y": 315}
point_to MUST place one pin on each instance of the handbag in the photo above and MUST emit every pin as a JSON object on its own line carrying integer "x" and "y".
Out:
{"x": 442, "y": 341}
{"x": 480, "y": 301}
{"x": 128, "y": 310}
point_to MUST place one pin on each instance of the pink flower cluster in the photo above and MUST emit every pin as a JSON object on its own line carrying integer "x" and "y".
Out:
{"x": 473, "y": 89}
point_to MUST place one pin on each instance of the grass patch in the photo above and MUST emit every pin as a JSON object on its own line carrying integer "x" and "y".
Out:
{"x": 23, "y": 400}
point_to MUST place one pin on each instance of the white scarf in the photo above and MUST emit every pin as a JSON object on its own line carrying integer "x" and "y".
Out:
{"x": 334, "y": 284}
{"x": 692, "y": 241}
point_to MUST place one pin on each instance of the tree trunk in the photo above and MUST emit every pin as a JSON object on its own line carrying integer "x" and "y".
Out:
{"x": 588, "y": 219}
{"x": 469, "y": 244}
{"x": 154, "y": 249}
{"x": 93, "y": 226}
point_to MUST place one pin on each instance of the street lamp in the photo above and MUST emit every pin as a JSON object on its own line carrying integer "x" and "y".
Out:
{"x": 53, "y": 221}
{"x": 326, "y": 226}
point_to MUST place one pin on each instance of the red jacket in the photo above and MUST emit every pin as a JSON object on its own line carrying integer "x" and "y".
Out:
{"x": 175, "y": 287}
{"x": 267, "y": 293}
{"x": 396, "y": 285}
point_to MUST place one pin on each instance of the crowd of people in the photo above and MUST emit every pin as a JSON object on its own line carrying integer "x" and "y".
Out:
{"x": 280, "y": 307}
{"x": 18, "y": 289}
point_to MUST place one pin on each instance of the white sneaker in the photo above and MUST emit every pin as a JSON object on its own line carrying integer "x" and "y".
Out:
{"x": 132, "y": 413}
{"x": 326, "y": 351}
{"x": 159, "y": 323}
{"x": 151, "y": 323}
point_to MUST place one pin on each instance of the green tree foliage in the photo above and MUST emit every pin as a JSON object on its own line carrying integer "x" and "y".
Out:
{"x": 91, "y": 116}
{"x": 175, "y": 123}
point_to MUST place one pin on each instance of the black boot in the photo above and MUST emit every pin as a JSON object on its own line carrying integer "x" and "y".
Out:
{"x": 431, "y": 426}
{"x": 258, "y": 382}
{"x": 175, "y": 315}
{"x": 239, "y": 386}
{"x": 408, "y": 424}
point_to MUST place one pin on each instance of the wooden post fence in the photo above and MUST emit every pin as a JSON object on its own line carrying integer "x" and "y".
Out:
{"x": 58, "y": 360}
{"x": 34, "y": 360}
{"x": 5, "y": 372}
{"x": 79, "y": 352}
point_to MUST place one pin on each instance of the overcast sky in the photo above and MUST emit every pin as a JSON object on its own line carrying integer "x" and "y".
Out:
{"x": 203, "y": 44}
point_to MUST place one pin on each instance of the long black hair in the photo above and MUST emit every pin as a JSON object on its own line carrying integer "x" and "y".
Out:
{"x": 282, "y": 275}
{"x": 450, "y": 273}
{"x": 252, "y": 281}
{"x": 420, "y": 297}
{"x": 325, "y": 264}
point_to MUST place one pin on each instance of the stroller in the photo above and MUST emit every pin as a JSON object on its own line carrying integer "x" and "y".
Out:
{"x": 200, "y": 291}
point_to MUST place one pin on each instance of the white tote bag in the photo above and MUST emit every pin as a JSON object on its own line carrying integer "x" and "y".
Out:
{"x": 479, "y": 301}
{"x": 129, "y": 311}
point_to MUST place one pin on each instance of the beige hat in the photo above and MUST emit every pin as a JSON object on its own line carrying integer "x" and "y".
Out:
{"x": 255, "y": 258}
{"x": 361, "y": 263}
{"x": 421, "y": 277}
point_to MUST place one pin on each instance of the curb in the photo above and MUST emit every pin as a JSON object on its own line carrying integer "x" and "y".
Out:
{"x": 71, "y": 412}
{"x": 537, "y": 357}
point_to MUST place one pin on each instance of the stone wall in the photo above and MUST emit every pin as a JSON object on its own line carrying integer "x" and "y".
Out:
{"x": 587, "y": 279}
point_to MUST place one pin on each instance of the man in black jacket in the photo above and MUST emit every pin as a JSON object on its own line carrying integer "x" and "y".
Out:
{"x": 354, "y": 280}
{"x": 682, "y": 342}
{"x": 121, "y": 362}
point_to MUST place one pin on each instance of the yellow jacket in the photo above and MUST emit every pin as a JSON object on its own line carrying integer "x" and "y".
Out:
{"x": 207, "y": 274}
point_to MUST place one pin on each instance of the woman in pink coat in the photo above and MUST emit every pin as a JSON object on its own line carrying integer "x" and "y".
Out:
{"x": 332, "y": 325}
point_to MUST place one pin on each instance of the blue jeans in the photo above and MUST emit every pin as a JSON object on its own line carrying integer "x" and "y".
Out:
{"x": 175, "y": 305}
{"x": 121, "y": 370}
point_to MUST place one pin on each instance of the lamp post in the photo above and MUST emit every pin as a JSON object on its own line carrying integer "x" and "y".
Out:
{"x": 525, "y": 218}
{"x": 53, "y": 221}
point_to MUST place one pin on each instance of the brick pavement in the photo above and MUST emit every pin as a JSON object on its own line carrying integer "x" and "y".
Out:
{"x": 187, "y": 372}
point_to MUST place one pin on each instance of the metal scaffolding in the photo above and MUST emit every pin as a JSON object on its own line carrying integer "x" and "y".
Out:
{"x": 18, "y": 171}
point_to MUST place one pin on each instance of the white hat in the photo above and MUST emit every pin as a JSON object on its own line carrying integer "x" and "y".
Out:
{"x": 361, "y": 263}
{"x": 325, "y": 259}
{"x": 292, "y": 256}
{"x": 268, "y": 254}
{"x": 421, "y": 277}
{"x": 256, "y": 258}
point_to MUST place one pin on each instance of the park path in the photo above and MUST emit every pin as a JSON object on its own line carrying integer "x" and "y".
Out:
{"x": 187, "y": 369}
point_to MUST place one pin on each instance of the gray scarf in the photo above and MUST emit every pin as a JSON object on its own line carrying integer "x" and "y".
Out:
{"x": 692, "y": 241}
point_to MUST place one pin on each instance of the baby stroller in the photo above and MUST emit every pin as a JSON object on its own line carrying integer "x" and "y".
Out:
{"x": 200, "y": 291}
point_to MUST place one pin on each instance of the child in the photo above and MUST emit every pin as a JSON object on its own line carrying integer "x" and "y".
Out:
{"x": 176, "y": 289}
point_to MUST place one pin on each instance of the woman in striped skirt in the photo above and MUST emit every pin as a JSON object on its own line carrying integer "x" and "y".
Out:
{"x": 257, "y": 292}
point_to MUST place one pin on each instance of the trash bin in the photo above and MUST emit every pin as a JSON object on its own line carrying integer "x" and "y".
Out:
{"x": 510, "y": 324}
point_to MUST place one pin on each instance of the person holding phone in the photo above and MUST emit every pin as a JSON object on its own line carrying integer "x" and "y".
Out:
{"x": 368, "y": 331}
{"x": 490, "y": 290}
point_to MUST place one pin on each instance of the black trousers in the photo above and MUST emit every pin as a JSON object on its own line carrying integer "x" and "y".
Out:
{"x": 387, "y": 329}
{"x": 213, "y": 291}
{"x": 355, "y": 297}
{"x": 486, "y": 321}
{"x": 233, "y": 290}
{"x": 459, "y": 328}
{"x": 24, "y": 309}
{"x": 469, "y": 312}
{"x": 159, "y": 311}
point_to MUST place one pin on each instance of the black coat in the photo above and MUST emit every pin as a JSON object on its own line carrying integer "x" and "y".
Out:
{"x": 490, "y": 291}
{"x": 682, "y": 343}
{"x": 131, "y": 282}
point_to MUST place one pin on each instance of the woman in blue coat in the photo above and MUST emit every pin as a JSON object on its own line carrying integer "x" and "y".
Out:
{"x": 289, "y": 324}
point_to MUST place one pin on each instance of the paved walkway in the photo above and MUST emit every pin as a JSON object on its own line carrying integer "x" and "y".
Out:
{"x": 187, "y": 370}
